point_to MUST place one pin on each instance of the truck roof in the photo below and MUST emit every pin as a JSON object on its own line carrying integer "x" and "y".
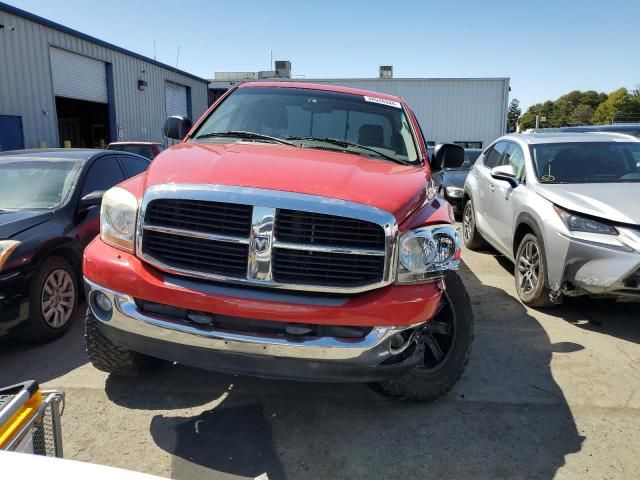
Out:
{"x": 318, "y": 86}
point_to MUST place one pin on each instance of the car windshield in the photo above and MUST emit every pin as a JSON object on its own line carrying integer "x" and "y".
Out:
{"x": 587, "y": 162}
{"x": 35, "y": 184}
{"x": 314, "y": 119}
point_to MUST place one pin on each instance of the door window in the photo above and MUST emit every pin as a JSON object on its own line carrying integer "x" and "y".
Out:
{"x": 132, "y": 165}
{"x": 493, "y": 157}
{"x": 102, "y": 175}
{"x": 514, "y": 156}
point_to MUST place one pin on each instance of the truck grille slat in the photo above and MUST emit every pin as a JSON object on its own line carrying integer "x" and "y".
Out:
{"x": 218, "y": 258}
{"x": 215, "y": 240}
{"x": 306, "y": 227}
{"x": 200, "y": 216}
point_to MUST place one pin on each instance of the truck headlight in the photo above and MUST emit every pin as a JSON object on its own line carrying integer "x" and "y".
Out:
{"x": 6, "y": 247}
{"x": 455, "y": 192}
{"x": 578, "y": 223}
{"x": 426, "y": 252}
{"x": 118, "y": 218}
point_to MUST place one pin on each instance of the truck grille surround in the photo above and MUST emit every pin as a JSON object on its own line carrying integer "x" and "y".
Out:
{"x": 267, "y": 238}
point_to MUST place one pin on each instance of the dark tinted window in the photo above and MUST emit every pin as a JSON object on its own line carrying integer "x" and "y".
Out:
{"x": 102, "y": 175}
{"x": 493, "y": 157}
{"x": 132, "y": 165}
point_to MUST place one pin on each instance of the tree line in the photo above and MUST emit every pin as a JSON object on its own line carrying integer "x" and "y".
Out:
{"x": 579, "y": 108}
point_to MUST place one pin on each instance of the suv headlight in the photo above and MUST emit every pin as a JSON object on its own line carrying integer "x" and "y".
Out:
{"x": 577, "y": 223}
{"x": 426, "y": 252}
{"x": 6, "y": 247}
{"x": 455, "y": 192}
{"x": 118, "y": 218}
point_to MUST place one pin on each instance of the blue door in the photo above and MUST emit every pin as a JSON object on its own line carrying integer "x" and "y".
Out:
{"x": 11, "y": 133}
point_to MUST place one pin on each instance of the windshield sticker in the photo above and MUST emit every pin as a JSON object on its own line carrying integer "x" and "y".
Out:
{"x": 383, "y": 101}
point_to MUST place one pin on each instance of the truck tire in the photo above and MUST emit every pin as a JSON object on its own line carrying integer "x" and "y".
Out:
{"x": 111, "y": 358}
{"x": 531, "y": 257}
{"x": 472, "y": 238}
{"x": 53, "y": 301}
{"x": 436, "y": 376}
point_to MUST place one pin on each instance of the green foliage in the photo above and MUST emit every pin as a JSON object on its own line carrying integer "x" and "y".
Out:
{"x": 513, "y": 114}
{"x": 573, "y": 108}
{"x": 620, "y": 106}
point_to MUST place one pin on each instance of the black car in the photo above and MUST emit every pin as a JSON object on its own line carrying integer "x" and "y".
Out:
{"x": 450, "y": 181}
{"x": 49, "y": 211}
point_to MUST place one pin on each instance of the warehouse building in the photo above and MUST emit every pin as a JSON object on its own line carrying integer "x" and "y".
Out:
{"x": 469, "y": 111}
{"x": 60, "y": 87}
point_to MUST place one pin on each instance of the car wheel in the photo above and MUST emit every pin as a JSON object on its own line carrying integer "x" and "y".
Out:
{"x": 53, "y": 301}
{"x": 111, "y": 358}
{"x": 531, "y": 273}
{"x": 472, "y": 238}
{"x": 446, "y": 342}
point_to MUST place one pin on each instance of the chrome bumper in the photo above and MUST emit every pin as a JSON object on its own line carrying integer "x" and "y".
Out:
{"x": 126, "y": 318}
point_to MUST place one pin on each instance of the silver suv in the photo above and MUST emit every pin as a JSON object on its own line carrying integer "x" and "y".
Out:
{"x": 565, "y": 208}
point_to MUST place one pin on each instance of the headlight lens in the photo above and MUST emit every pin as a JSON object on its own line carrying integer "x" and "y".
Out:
{"x": 426, "y": 252}
{"x": 6, "y": 247}
{"x": 577, "y": 223}
{"x": 455, "y": 192}
{"x": 118, "y": 218}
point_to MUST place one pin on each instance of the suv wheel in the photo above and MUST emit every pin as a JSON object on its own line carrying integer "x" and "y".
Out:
{"x": 111, "y": 358}
{"x": 472, "y": 238}
{"x": 53, "y": 302}
{"x": 531, "y": 273}
{"x": 446, "y": 340}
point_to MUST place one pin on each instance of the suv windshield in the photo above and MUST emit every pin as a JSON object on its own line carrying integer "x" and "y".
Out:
{"x": 314, "y": 119}
{"x": 587, "y": 162}
{"x": 35, "y": 184}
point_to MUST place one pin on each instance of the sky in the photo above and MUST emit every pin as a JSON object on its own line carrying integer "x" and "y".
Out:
{"x": 547, "y": 48}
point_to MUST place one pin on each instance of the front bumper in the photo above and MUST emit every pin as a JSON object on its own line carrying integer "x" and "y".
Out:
{"x": 600, "y": 264}
{"x": 14, "y": 301}
{"x": 365, "y": 359}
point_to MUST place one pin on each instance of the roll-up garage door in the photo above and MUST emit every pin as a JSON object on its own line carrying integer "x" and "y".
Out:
{"x": 79, "y": 77}
{"x": 176, "y": 99}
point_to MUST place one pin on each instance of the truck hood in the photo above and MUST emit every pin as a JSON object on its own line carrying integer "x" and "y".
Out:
{"x": 617, "y": 202}
{"x": 398, "y": 189}
{"x": 12, "y": 223}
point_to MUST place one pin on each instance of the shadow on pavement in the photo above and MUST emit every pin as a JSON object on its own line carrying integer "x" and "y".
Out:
{"x": 507, "y": 418}
{"x": 21, "y": 361}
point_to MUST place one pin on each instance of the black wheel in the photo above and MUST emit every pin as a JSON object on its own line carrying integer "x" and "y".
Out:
{"x": 53, "y": 301}
{"x": 446, "y": 341}
{"x": 531, "y": 273}
{"x": 111, "y": 358}
{"x": 472, "y": 238}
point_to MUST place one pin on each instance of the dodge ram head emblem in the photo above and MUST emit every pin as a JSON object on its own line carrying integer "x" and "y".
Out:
{"x": 261, "y": 244}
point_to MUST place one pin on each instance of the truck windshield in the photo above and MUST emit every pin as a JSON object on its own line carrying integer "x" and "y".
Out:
{"x": 314, "y": 119}
{"x": 587, "y": 162}
{"x": 37, "y": 184}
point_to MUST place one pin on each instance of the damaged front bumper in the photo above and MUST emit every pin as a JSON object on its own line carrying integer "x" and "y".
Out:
{"x": 598, "y": 265}
{"x": 375, "y": 356}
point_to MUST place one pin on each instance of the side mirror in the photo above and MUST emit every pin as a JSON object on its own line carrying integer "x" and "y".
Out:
{"x": 91, "y": 200}
{"x": 447, "y": 155}
{"x": 505, "y": 173}
{"x": 177, "y": 127}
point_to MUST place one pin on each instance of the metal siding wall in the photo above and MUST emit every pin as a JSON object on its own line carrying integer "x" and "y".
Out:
{"x": 26, "y": 87}
{"x": 447, "y": 109}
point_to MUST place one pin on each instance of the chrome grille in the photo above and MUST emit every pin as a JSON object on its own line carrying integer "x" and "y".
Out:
{"x": 267, "y": 238}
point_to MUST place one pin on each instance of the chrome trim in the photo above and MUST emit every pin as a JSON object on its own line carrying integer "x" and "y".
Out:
{"x": 370, "y": 350}
{"x": 260, "y": 241}
{"x": 327, "y": 249}
{"x": 193, "y": 234}
{"x": 272, "y": 200}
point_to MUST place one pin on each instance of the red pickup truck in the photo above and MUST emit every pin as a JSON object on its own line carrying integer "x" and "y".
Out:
{"x": 293, "y": 233}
